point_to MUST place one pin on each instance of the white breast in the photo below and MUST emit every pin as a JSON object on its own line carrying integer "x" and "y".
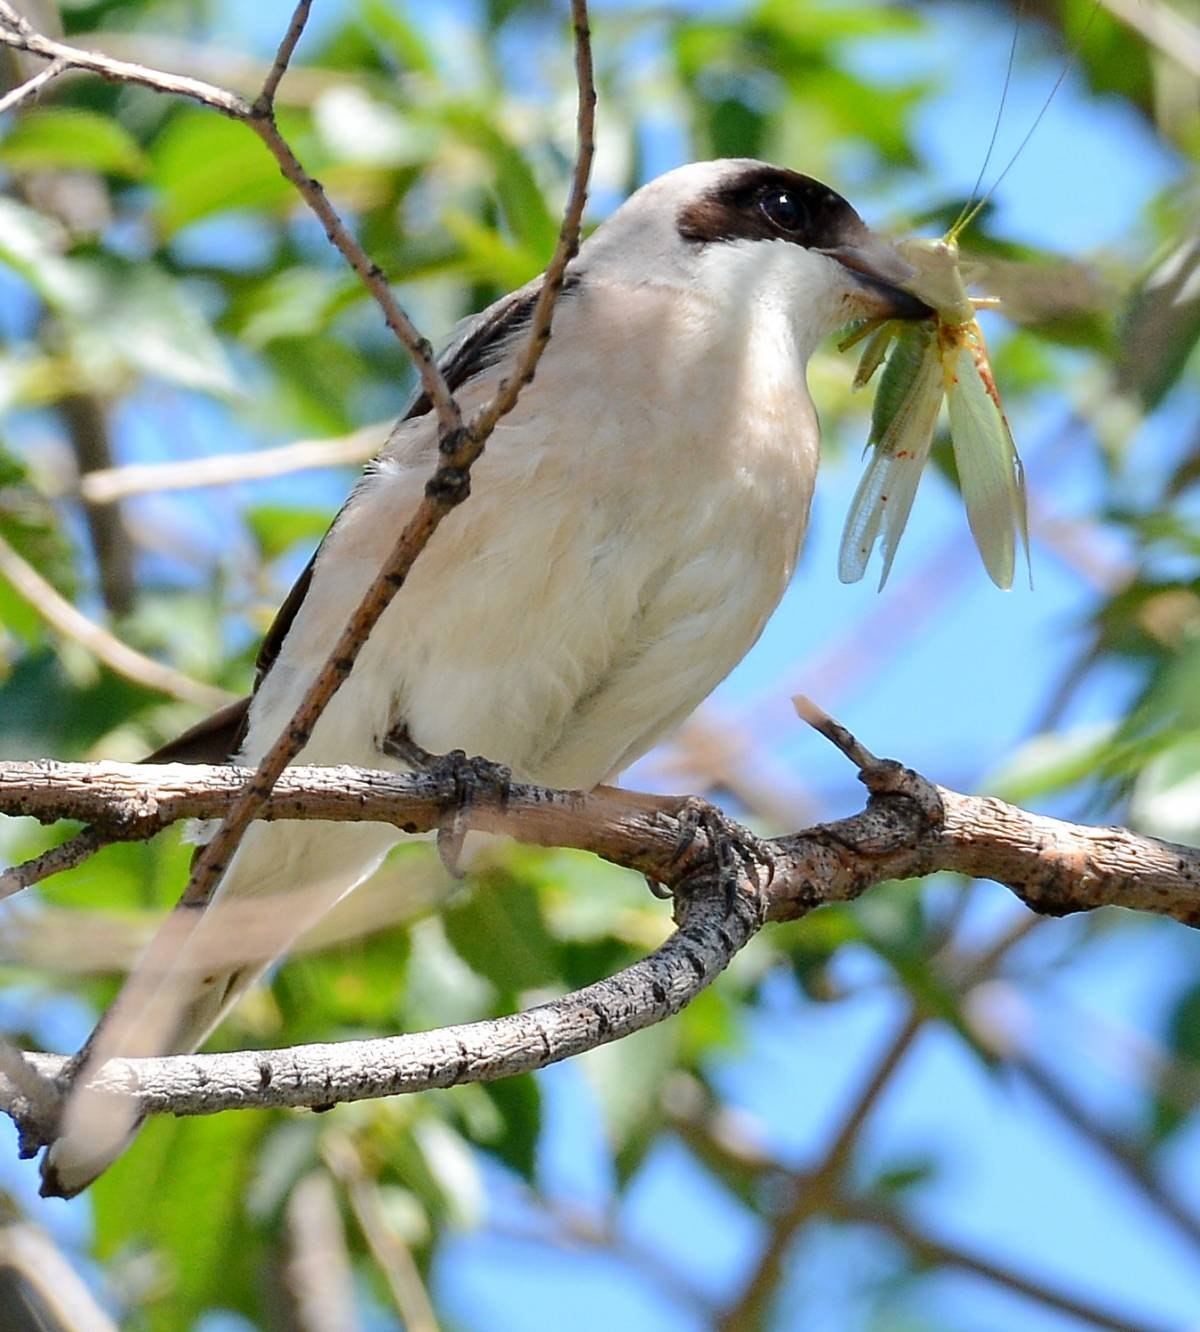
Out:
{"x": 618, "y": 555}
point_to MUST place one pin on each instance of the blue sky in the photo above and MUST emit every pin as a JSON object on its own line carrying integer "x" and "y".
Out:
{"x": 950, "y": 679}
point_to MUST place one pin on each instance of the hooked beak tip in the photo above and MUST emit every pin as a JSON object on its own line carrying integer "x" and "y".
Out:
{"x": 893, "y": 302}
{"x": 881, "y": 271}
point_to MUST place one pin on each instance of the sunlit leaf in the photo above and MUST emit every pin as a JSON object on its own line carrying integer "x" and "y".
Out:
{"x": 203, "y": 164}
{"x": 62, "y": 138}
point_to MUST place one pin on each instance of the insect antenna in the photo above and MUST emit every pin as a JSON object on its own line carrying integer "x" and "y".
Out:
{"x": 972, "y": 211}
{"x": 968, "y": 209}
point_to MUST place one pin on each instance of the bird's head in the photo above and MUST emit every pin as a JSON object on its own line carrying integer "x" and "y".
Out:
{"x": 742, "y": 232}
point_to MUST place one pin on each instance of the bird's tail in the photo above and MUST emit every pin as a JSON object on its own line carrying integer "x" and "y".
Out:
{"x": 284, "y": 877}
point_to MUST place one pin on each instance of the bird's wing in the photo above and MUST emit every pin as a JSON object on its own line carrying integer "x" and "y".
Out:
{"x": 474, "y": 346}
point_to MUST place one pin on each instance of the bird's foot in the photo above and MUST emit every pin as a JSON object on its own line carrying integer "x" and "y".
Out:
{"x": 742, "y": 863}
{"x": 463, "y": 779}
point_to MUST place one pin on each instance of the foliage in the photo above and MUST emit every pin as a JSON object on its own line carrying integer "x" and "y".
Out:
{"x": 154, "y": 263}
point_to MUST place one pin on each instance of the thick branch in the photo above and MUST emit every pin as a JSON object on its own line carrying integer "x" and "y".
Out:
{"x": 910, "y": 827}
{"x": 713, "y": 928}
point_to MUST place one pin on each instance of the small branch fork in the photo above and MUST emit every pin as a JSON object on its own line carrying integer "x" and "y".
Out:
{"x": 909, "y": 827}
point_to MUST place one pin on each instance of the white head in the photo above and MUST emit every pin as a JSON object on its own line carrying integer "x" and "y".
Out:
{"x": 739, "y": 230}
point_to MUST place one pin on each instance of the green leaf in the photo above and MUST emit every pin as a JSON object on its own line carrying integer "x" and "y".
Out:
{"x": 295, "y": 303}
{"x": 532, "y": 223}
{"x": 31, "y": 244}
{"x": 1161, "y": 325}
{"x": 277, "y": 527}
{"x": 63, "y": 138}
{"x": 404, "y": 41}
{"x": 498, "y": 931}
{"x": 178, "y": 1192}
{"x": 519, "y": 1102}
{"x": 143, "y": 320}
{"x": 203, "y": 165}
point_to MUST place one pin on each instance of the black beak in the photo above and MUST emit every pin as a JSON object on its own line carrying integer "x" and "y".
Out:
{"x": 881, "y": 272}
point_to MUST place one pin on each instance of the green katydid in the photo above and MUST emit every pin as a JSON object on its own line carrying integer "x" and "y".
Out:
{"x": 942, "y": 357}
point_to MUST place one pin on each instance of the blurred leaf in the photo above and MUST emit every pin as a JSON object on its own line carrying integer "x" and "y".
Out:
{"x": 401, "y": 38}
{"x": 498, "y": 930}
{"x": 204, "y": 164}
{"x": 1178, "y": 1091}
{"x": 31, "y": 244}
{"x": 143, "y": 319}
{"x": 296, "y": 303}
{"x": 59, "y": 138}
{"x": 519, "y": 1102}
{"x": 277, "y": 528}
{"x": 179, "y": 1173}
{"x": 1161, "y": 325}
{"x": 1051, "y": 762}
{"x": 532, "y": 223}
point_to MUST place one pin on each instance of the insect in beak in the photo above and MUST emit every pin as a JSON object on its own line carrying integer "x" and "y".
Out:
{"x": 946, "y": 358}
{"x": 882, "y": 272}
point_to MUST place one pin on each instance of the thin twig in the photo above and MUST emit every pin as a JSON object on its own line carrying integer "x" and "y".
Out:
{"x": 265, "y": 103}
{"x": 319, "y": 1277}
{"x": 834, "y": 732}
{"x": 61, "y": 1298}
{"x": 86, "y": 419}
{"x": 811, "y": 1188}
{"x": 107, "y": 485}
{"x": 1127, "y": 1160}
{"x": 447, "y": 488}
{"x": 506, "y": 395}
{"x": 71, "y": 623}
{"x": 67, "y": 855}
{"x": 18, "y": 33}
{"x": 31, "y": 87}
{"x": 392, "y": 1256}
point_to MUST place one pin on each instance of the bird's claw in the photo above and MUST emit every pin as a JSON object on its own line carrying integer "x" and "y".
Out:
{"x": 463, "y": 779}
{"x": 736, "y": 857}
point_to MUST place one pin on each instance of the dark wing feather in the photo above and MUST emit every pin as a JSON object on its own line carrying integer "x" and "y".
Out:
{"x": 480, "y": 339}
{"x": 474, "y": 350}
{"x": 213, "y": 740}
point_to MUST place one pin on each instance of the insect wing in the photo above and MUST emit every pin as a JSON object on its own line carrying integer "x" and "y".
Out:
{"x": 902, "y": 422}
{"x": 873, "y": 353}
{"x": 989, "y": 469}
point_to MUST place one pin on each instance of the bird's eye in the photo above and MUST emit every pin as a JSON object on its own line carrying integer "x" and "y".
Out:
{"x": 783, "y": 210}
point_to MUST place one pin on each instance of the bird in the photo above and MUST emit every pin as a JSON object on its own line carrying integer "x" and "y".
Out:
{"x": 632, "y": 524}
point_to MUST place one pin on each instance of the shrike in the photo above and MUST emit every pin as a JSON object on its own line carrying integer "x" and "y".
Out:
{"x": 632, "y": 525}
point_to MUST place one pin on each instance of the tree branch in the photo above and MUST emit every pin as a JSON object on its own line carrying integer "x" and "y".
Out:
{"x": 31, "y": 87}
{"x": 106, "y": 485}
{"x": 714, "y": 925}
{"x": 936, "y": 1252}
{"x": 19, "y": 33}
{"x": 1055, "y": 867}
{"x": 459, "y": 447}
{"x": 910, "y": 826}
{"x": 118, "y": 656}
